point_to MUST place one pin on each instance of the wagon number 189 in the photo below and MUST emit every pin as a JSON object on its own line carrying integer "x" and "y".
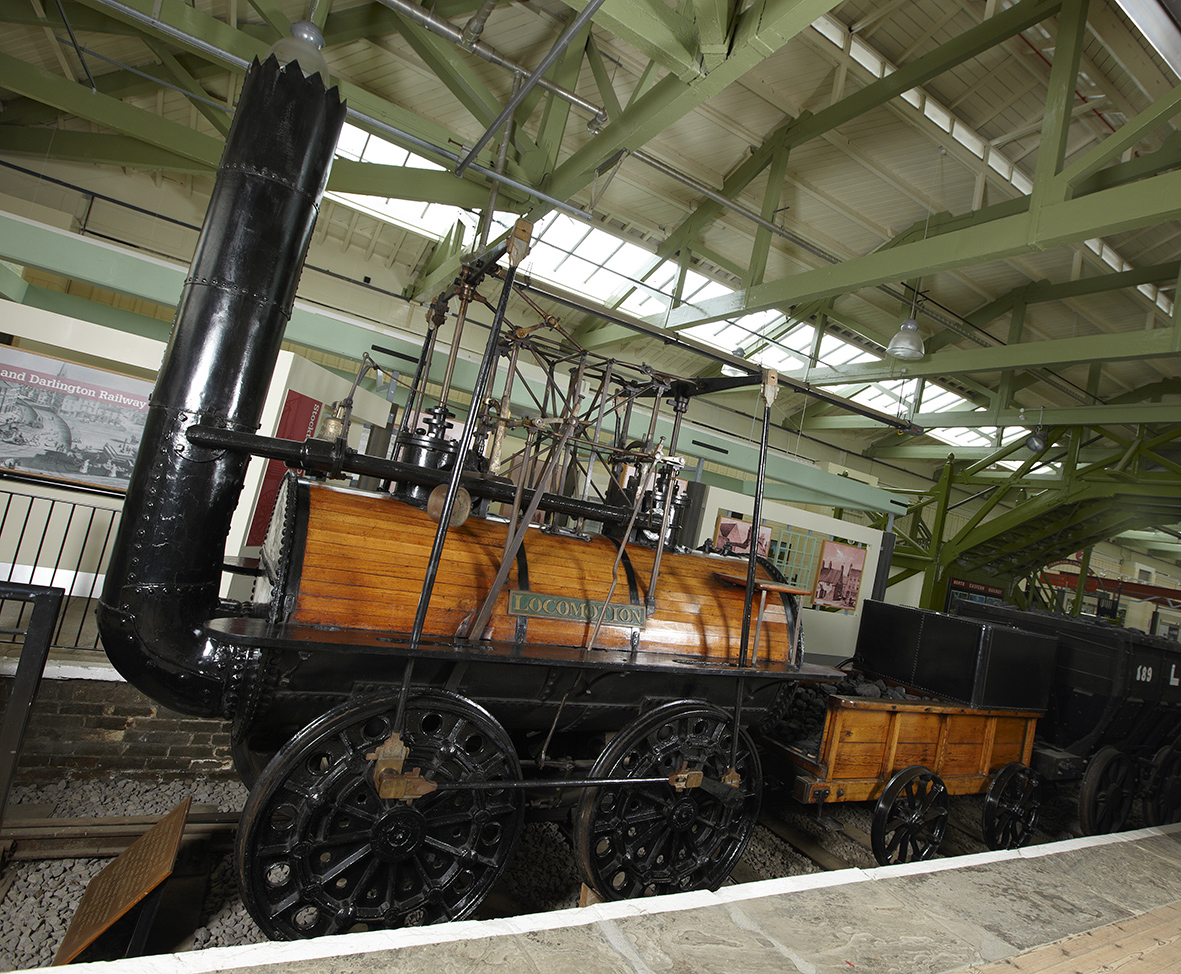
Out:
{"x": 1144, "y": 674}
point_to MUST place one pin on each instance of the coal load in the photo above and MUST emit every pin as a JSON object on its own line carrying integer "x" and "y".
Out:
{"x": 803, "y": 725}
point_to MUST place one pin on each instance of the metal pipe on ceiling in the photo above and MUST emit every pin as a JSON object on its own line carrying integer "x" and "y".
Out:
{"x": 530, "y": 82}
{"x": 217, "y": 54}
{"x": 445, "y": 29}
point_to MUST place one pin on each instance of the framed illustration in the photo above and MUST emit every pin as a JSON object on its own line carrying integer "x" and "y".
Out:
{"x": 838, "y": 581}
{"x": 738, "y": 532}
{"x": 69, "y": 422}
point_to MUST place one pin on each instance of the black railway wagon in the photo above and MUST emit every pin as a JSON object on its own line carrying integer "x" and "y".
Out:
{"x": 1114, "y": 717}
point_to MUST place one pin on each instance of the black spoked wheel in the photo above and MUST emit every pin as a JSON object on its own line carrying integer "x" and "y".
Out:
{"x": 1108, "y": 788}
{"x": 643, "y": 840}
{"x": 1162, "y": 794}
{"x": 1011, "y": 807}
{"x": 910, "y": 817}
{"x": 318, "y": 852}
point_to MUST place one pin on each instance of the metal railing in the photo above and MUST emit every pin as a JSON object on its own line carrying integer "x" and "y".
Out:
{"x": 43, "y": 604}
{"x": 59, "y": 538}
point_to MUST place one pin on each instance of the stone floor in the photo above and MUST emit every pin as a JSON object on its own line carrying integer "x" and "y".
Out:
{"x": 922, "y": 918}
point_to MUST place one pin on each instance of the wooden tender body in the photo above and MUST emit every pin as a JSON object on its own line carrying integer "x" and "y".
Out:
{"x": 867, "y": 740}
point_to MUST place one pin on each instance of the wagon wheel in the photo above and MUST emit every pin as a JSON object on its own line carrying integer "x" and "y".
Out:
{"x": 910, "y": 817}
{"x": 641, "y": 840}
{"x": 1105, "y": 798}
{"x": 1162, "y": 794}
{"x": 318, "y": 852}
{"x": 1011, "y": 807}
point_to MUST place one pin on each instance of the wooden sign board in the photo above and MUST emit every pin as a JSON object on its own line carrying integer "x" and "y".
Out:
{"x": 125, "y": 882}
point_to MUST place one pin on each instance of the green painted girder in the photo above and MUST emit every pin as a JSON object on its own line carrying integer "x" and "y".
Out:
{"x": 68, "y": 96}
{"x": 1060, "y": 94}
{"x": 368, "y": 21}
{"x": 1124, "y": 346}
{"x": 95, "y": 147}
{"x": 276, "y": 20}
{"x": 179, "y": 16}
{"x": 447, "y": 62}
{"x": 713, "y": 30}
{"x": 1042, "y": 291}
{"x": 410, "y": 183}
{"x": 1152, "y": 391}
{"x": 602, "y": 76}
{"x": 116, "y": 84}
{"x": 1058, "y": 539}
{"x": 1122, "y": 139}
{"x": 963, "y": 454}
{"x": 219, "y": 118}
{"x": 81, "y": 19}
{"x": 1126, "y": 413}
{"x": 1028, "y": 524}
{"x": 1145, "y": 203}
{"x": 655, "y": 29}
{"x": 449, "y": 65}
{"x": 556, "y": 114}
{"x": 795, "y": 132}
{"x": 761, "y": 30}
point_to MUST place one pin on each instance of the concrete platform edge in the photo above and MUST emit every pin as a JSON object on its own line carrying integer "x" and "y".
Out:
{"x": 256, "y": 955}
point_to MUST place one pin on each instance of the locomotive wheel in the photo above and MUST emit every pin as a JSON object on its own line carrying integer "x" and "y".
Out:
{"x": 318, "y": 852}
{"x": 1162, "y": 794}
{"x": 1105, "y": 798}
{"x": 1011, "y": 807}
{"x": 643, "y": 840}
{"x": 910, "y": 817}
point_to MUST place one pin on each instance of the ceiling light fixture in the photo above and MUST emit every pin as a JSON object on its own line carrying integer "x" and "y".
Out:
{"x": 907, "y": 345}
{"x": 1036, "y": 441}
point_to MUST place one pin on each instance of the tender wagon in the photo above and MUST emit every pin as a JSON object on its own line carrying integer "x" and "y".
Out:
{"x": 910, "y": 756}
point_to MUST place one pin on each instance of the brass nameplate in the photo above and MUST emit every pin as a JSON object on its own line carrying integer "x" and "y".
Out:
{"x": 143, "y": 866}
{"x": 539, "y": 606}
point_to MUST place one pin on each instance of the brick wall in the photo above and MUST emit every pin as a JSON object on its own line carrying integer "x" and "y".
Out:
{"x": 98, "y": 727}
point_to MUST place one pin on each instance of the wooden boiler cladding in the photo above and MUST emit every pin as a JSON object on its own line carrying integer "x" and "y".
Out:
{"x": 365, "y": 555}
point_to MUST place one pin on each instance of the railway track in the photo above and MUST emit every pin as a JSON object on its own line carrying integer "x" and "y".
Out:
{"x": 35, "y": 838}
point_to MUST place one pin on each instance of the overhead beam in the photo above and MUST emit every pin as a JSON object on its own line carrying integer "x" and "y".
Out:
{"x": 655, "y": 29}
{"x": 1126, "y": 414}
{"x": 1145, "y": 203}
{"x": 1107, "y": 347}
{"x": 68, "y": 96}
{"x": 98, "y": 148}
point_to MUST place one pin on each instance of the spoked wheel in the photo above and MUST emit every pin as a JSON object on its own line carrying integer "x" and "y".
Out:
{"x": 1162, "y": 794}
{"x": 910, "y": 817}
{"x": 1011, "y": 807}
{"x": 319, "y": 852}
{"x": 643, "y": 840}
{"x": 1105, "y": 798}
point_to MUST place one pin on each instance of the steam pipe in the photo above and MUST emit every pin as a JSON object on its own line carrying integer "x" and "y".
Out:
{"x": 315, "y": 454}
{"x": 165, "y": 571}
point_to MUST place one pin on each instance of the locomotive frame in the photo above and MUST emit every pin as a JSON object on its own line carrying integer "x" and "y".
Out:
{"x": 396, "y": 732}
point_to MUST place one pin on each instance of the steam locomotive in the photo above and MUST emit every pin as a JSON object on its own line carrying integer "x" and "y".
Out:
{"x": 509, "y": 627}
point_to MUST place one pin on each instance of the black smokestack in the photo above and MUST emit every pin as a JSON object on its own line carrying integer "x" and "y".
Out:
{"x": 163, "y": 580}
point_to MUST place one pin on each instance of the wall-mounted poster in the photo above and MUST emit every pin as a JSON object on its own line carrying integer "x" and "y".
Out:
{"x": 737, "y": 532}
{"x": 839, "y": 579}
{"x": 69, "y": 422}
